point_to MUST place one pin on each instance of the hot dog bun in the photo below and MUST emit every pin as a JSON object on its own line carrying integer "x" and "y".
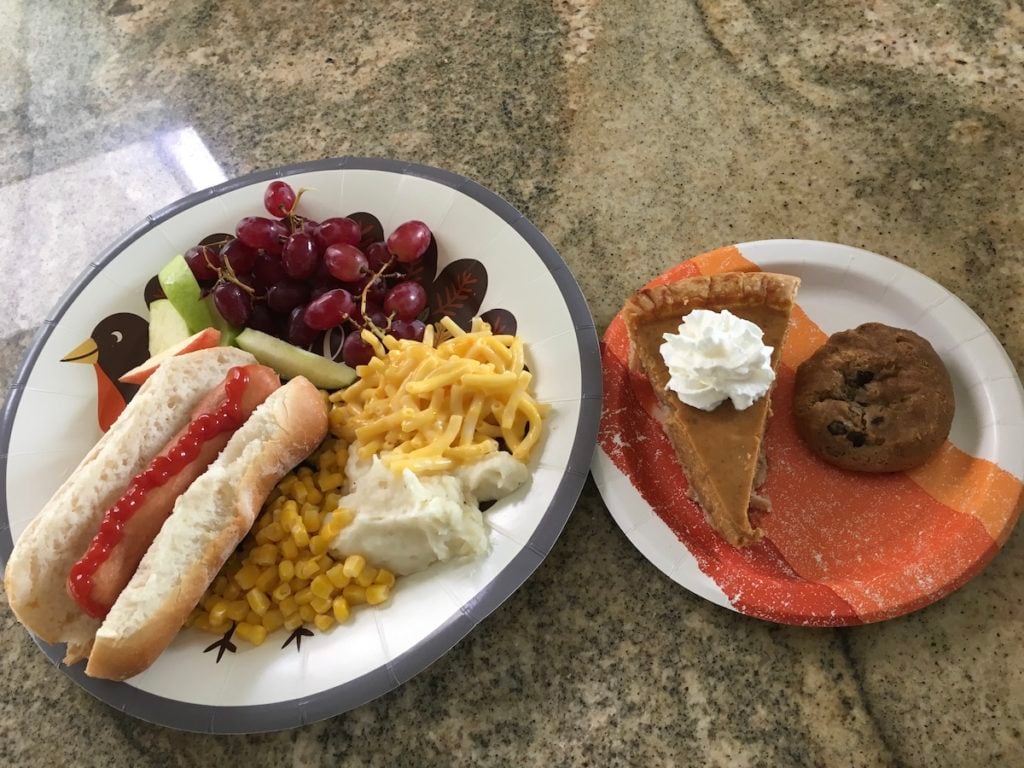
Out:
{"x": 38, "y": 568}
{"x": 208, "y": 522}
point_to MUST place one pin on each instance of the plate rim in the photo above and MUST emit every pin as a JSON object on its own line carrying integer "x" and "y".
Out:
{"x": 602, "y": 463}
{"x": 292, "y": 713}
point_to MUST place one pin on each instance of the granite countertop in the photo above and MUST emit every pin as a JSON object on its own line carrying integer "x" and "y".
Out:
{"x": 632, "y": 134}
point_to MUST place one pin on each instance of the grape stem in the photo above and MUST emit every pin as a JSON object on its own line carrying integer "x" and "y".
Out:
{"x": 290, "y": 214}
{"x": 362, "y": 301}
{"x": 227, "y": 273}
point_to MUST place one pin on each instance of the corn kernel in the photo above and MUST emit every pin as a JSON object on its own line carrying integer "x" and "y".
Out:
{"x": 329, "y": 530}
{"x": 354, "y": 565}
{"x": 331, "y": 500}
{"x": 321, "y": 586}
{"x": 317, "y": 545}
{"x": 209, "y": 601}
{"x": 299, "y": 535}
{"x": 285, "y": 571}
{"x": 306, "y": 569}
{"x": 337, "y": 576}
{"x": 340, "y": 606}
{"x": 236, "y": 610}
{"x": 220, "y": 584}
{"x": 304, "y": 596}
{"x": 288, "y": 606}
{"x": 325, "y": 562}
{"x": 203, "y": 623}
{"x": 323, "y": 621}
{"x": 219, "y": 612}
{"x": 281, "y": 591}
{"x": 342, "y": 516}
{"x": 385, "y": 577}
{"x": 313, "y": 495}
{"x": 253, "y": 618}
{"x": 273, "y": 532}
{"x": 233, "y": 592}
{"x": 298, "y": 584}
{"x": 253, "y": 633}
{"x": 330, "y": 481}
{"x": 377, "y": 594}
{"x": 293, "y": 622}
{"x": 289, "y": 549}
{"x": 299, "y": 492}
{"x": 307, "y": 613}
{"x": 258, "y": 601}
{"x": 264, "y": 555}
{"x": 268, "y": 579}
{"x": 354, "y": 594}
{"x": 321, "y": 604}
{"x": 246, "y": 577}
{"x": 273, "y": 619}
{"x": 311, "y": 518}
{"x": 304, "y": 473}
{"x": 289, "y": 514}
{"x": 367, "y": 576}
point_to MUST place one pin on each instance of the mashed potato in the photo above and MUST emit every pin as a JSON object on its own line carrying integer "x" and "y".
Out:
{"x": 404, "y": 522}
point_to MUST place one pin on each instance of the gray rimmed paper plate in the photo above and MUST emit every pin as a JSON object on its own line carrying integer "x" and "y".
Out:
{"x": 271, "y": 687}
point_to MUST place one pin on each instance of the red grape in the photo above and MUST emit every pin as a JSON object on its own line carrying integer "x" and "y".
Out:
{"x": 241, "y": 257}
{"x": 262, "y": 320}
{"x": 260, "y": 232}
{"x": 346, "y": 262}
{"x": 378, "y": 318}
{"x": 338, "y": 230}
{"x": 287, "y": 295}
{"x": 300, "y": 256}
{"x": 267, "y": 272}
{"x": 204, "y": 262}
{"x": 355, "y": 351}
{"x": 310, "y": 227}
{"x": 377, "y": 254}
{"x": 409, "y": 241}
{"x": 406, "y": 300}
{"x": 279, "y": 198}
{"x": 329, "y": 310}
{"x": 233, "y": 303}
{"x": 408, "y": 329}
{"x": 300, "y": 334}
{"x": 378, "y": 291}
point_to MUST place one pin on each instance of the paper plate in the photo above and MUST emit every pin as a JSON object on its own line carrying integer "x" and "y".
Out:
{"x": 841, "y": 548}
{"x": 52, "y": 414}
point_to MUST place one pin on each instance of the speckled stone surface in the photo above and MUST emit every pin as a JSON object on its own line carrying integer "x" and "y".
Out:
{"x": 633, "y": 134}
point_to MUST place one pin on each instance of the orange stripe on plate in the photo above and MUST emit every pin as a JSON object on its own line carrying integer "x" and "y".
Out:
{"x": 975, "y": 486}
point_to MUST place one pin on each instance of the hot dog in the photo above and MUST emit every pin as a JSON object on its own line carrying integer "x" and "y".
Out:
{"x": 131, "y": 524}
{"x": 156, "y": 507}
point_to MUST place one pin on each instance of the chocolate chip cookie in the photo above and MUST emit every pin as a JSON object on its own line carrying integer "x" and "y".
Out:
{"x": 874, "y": 399}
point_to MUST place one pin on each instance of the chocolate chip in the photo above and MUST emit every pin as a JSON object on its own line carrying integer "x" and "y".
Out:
{"x": 837, "y": 428}
{"x": 856, "y": 438}
{"x": 860, "y": 378}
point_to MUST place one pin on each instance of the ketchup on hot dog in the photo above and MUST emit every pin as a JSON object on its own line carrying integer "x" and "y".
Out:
{"x": 184, "y": 451}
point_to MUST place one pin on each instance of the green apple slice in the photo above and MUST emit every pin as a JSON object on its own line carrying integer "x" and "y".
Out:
{"x": 183, "y": 291}
{"x": 166, "y": 327}
{"x": 291, "y": 361}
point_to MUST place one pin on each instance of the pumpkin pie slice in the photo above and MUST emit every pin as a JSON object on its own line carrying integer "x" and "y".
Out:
{"x": 721, "y": 451}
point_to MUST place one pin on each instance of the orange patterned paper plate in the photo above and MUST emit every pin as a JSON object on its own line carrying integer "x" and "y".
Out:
{"x": 841, "y": 548}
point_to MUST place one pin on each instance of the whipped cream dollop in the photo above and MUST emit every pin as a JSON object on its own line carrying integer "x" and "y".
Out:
{"x": 716, "y": 356}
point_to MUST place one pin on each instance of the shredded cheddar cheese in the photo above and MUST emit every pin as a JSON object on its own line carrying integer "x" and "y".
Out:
{"x": 430, "y": 406}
